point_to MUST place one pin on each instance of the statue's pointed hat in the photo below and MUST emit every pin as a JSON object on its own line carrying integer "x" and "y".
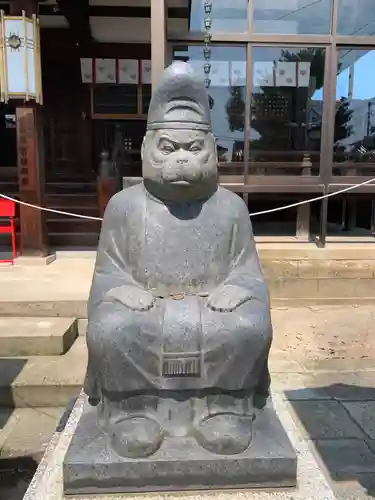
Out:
{"x": 180, "y": 100}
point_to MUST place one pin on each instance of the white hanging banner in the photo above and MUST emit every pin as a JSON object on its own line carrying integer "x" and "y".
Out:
{"x": 86, "y": 70}
{"x": 146, "y": 72}
{"x": 238, "y": 73}
{"x": 128, "y": 71}
{"x": 286, "y": 74}
{"x": 264, "y": 74}
{"x": 105, "y": 71}
{"x": 219, "y": 74}
{"x": 304, "y": 74}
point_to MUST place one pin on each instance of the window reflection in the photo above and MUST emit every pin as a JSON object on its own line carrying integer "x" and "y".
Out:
{"x": 227, "y": 93}
{"x": 292, "y": 16}
{"x": 354, "y": 146}
{"x": 286, "y": 111}
{"x": 356, "y": 18}
{"x": 226, "y": 16}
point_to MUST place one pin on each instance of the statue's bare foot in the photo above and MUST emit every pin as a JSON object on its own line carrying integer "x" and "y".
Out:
{"x": 225, "y": 434}
{"x": 136, "y": 436}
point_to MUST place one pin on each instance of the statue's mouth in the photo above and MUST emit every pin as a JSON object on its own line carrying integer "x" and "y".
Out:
{"x": 181, "y": 182}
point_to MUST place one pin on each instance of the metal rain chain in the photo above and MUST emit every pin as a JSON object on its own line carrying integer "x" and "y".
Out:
{"x": 207, "y": 41}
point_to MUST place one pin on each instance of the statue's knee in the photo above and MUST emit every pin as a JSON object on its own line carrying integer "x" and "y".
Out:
{"x": 102, "y": 331}
{"x": 257, "y": 326}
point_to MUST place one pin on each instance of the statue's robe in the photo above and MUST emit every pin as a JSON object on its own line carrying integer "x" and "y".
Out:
{"x": 176, "y": 249}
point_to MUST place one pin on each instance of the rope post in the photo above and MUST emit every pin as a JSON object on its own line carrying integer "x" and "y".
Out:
{"x": 323, "y": 220}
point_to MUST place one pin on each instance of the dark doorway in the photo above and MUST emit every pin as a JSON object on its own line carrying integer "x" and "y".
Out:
{"x": 123, "y": 140}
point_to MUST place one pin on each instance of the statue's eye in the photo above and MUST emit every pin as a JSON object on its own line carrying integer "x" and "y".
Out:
{"x": 166, "y": 148}
{"x": 195, "y": 148}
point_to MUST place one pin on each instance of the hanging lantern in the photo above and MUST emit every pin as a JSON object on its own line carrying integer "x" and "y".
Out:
{"x": 207, "y": 7}
{"x": 207, "y": 38}
{"x": 207, "y": 53}
{"x": 207, "y": 23}
{"x": 207, "y": 41}
{"x": 20, "y": 64}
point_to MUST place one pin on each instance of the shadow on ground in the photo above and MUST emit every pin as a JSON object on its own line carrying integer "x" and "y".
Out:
{"x": 339, "y": 419}
{"x": 10, "y": 368}
{"x": 16, "y": 472}
{"x": 15, "y": 477}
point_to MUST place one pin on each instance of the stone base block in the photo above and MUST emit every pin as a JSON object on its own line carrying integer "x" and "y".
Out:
{"x": 92, "y": 467}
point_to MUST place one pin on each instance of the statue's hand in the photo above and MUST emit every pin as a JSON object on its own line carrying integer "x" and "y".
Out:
{"x": 132, "y": 297}
{"x": 227, "y": 298}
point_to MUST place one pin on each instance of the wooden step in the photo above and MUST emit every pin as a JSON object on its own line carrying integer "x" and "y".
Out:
{"x": 89, "y": 211}
{"x": 73, "y": 174}
{"x": 73, "y": 225}
{"x": 65, "y": 187}
{"x": 9, "y": 187}
{"x": 62, "y": 201}
{"x": 73, "y": 240}
{"x": 36, "y": 336}
{"x": 8, "y": 173}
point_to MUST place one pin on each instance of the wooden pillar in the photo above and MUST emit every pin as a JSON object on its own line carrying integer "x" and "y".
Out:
{"x": 303, "y": 222}
{"x": 158, "y": 39}
{"x": 31, "y": 181}
{"x": 30, "y": 160}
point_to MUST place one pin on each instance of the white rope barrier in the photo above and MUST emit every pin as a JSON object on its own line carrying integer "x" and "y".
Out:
{"x": 272, "y": 210}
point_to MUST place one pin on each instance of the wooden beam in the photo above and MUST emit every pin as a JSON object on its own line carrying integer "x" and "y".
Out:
{"x": 189, "y": 14}
{"x": 31, "y": 179}
{"x": 158, "y": 39}
{"x": 77, "y": 15}
{"x": 119, "y": 11}
{"x": 57, "y": 45}
{"x": 17, "y": 6}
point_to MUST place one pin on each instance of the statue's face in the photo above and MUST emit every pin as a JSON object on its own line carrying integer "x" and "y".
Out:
{"x": 179, "y": 157}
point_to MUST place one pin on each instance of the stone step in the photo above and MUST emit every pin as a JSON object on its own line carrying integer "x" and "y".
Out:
{"x": 26, "y": 432}
{"x": 43, "y": 381}
{"x": 31, "y": 336}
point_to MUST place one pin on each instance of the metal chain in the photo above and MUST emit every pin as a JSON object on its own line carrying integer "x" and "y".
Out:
{"x": 207, "y": 41}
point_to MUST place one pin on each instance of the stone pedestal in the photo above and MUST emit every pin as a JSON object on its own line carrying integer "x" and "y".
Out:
{"x": 311, "y": 482}
{"x": 92, "y": 467}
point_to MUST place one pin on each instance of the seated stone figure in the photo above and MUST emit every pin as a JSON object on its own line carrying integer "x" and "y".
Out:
{"x": 179, "y": 311}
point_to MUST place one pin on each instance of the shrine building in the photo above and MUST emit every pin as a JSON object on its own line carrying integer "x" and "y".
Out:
{"x": 291, "y": 91}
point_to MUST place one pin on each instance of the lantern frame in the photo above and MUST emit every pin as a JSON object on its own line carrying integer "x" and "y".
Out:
{"x": 22, "y": 43}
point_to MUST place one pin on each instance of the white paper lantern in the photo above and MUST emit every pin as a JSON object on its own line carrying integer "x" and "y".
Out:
{"x": 20, "y": 65}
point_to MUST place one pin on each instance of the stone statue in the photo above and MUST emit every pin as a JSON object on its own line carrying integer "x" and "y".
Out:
{"x": 179, "y": 326}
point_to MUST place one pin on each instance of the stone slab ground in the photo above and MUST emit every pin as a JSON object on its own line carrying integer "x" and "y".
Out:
{"x": 297, "y": 274}
{"x": 307, "y": 341}
{"x": 322, "y": 364}
{"x": 322, "y": 361}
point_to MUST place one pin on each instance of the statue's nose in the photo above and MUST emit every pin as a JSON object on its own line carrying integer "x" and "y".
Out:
{"x": 182, "y": 161}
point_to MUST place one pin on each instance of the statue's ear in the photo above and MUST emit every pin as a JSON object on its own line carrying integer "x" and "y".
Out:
{"x": 143, "y": 147}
